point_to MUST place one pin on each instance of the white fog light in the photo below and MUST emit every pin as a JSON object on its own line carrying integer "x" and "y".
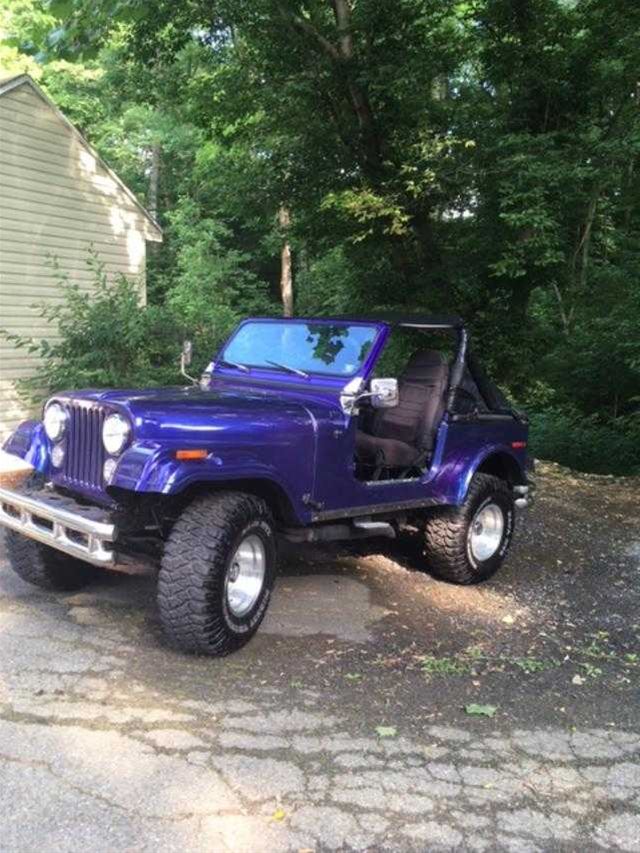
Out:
{"x": 57, "y": 455}
{"x": 115, "y": 432}
{"x": 109, "y": 469}
{"x": 55, "y": 421}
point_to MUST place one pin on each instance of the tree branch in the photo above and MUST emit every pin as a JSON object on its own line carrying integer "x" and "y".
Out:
{"x": 342, "y": 12}
{"x": 343, "y": 59}
{"x": 306, "y": 27}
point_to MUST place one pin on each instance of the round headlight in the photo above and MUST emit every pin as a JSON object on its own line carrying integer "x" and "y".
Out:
{"x": 115, "y": 432}
{"x": 55, "y": 421}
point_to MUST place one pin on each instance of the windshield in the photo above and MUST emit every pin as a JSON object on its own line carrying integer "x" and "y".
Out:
{"x": 334, "y": 349}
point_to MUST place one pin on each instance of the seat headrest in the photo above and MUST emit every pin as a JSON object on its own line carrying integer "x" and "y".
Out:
{"x": 422, "y": 359}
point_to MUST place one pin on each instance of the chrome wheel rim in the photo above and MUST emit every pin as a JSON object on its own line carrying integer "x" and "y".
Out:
{"x": 486, "y": 531}
{"x": 245, "y": 577}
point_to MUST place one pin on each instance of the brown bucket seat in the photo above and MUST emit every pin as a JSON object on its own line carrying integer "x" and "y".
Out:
{"x": 404, "y": 436}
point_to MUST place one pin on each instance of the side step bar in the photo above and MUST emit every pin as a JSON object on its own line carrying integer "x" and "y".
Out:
{"x": 360, "y": 528}
{"x": 70, "y": 532}
{"x": 375, "y": 528}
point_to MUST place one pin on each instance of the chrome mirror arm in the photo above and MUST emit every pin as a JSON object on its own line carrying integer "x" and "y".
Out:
{"x": 183, "y": 371}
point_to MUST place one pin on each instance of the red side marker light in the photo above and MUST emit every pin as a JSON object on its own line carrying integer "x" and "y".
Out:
{"x": 191, "y": 454}
{"x": 518, "y": 445}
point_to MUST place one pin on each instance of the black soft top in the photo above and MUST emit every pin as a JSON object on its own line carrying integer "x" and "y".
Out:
{"x": 415, "y": 321}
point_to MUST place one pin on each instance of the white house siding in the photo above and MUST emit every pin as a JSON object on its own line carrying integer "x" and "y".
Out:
{"x": 57, "y": 199}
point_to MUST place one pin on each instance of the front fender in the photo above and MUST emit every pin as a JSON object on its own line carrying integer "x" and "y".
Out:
{"x": 29, "y": 441}
{"x": 149, "y": 467}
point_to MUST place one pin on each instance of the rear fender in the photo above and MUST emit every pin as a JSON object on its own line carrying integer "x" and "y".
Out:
{"x": 499, "y": 460}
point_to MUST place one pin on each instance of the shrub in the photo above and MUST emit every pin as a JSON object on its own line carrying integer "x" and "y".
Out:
{"x": 103, "y": 339}
{"x": 591, "y": 444}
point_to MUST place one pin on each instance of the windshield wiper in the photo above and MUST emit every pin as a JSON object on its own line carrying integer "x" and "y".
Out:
{"x": 288, "y": 368}
{"x": 242, "y": 367}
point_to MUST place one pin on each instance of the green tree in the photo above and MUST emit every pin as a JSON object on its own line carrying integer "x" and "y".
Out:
{"x": 480, "y": 157}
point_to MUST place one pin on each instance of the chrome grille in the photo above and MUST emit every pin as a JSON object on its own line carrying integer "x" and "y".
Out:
{"x": 85, "y": 452}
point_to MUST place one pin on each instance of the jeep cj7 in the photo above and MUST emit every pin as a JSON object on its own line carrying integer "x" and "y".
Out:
{"x": 289, "y": 434}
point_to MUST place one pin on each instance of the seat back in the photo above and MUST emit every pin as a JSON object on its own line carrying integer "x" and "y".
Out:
{"x": 422, "y": 390}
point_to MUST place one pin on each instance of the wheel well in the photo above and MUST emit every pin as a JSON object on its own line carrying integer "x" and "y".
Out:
{"x": 504, "y": 466}
{"x": 271, "y": 492}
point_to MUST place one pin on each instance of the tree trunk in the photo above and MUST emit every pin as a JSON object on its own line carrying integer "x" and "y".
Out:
{"x": 286, "y": 274}
{"x": 154, "y": 180}
{"x": 581, "y": 255}
{"x": 563, "y": 314}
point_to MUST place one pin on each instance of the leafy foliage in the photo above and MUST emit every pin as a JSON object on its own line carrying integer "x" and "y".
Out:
{"x": 477, "y": 157}
{"x": 106, "y": 338}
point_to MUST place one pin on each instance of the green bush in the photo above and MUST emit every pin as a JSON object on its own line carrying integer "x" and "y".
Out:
{"x": 599, "y": 446}
{"x": 103, "y": 339}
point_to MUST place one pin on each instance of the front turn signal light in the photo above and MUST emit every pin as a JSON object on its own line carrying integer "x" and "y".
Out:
{"x": 185, "y": 455}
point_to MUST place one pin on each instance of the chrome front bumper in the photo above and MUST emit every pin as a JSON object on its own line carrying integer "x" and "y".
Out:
{"x": 48, "y": 520}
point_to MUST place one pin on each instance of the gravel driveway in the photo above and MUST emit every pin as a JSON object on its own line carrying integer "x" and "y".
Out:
{"x": 343, "y": 724}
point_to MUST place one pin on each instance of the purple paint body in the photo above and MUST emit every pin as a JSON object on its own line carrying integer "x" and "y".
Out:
{"x": 266, "y": 425}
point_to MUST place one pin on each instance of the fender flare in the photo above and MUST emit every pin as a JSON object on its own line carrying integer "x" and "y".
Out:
{"x": 506, "y": 464}
{"x": 29, "y": 441}
{"x": 149, "y": 469}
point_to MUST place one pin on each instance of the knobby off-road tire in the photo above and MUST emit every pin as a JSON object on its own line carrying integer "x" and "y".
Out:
{"x": 451, "y": 549}
{"x": 199, "y": 606}
{"x": 45, "y": 567}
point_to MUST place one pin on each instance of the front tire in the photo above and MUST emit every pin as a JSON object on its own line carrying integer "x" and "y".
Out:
{"x": 46, "y": 567}
{"x": 467, "y": 544}
{"x": 217, "y": 573}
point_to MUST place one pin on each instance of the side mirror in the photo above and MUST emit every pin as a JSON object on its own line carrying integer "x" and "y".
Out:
{"x": 384, "y": 393}
{"x": 187, "y": 353}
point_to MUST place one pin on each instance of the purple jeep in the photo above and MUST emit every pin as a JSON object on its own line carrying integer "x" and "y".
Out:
{"x": 292, "y": 434}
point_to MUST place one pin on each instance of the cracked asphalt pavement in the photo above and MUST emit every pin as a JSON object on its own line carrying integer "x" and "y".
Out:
{"x": 110, "y": 740}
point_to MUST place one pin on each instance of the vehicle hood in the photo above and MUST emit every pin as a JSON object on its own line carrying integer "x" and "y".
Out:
{"x": 177, "y": 413}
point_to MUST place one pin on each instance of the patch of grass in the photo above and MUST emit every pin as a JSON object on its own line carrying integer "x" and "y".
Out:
{"x": 432, "y": 665}
{"x": 474, "y": 653}
{"x": 590, "y": 670}
{"x": 599, "y": 647}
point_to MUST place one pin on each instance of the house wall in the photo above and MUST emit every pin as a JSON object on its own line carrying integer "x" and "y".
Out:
{"x": 56, "y": 200}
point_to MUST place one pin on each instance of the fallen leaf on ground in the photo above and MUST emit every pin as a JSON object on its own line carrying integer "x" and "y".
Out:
{"x": 386, "y": 731}
{"x": 476, "y": 710}
{"x": 578, "y": 679}
{"x": 278, "y": 814}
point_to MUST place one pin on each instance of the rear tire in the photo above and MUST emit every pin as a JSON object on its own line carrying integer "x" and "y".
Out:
{"x": 467, "y": 544}
{"x": 46, "y": 567}
{"x": 217, "y": 573}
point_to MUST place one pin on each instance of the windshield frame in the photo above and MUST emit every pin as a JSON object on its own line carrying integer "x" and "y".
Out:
{"x": 362, "y": 369}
